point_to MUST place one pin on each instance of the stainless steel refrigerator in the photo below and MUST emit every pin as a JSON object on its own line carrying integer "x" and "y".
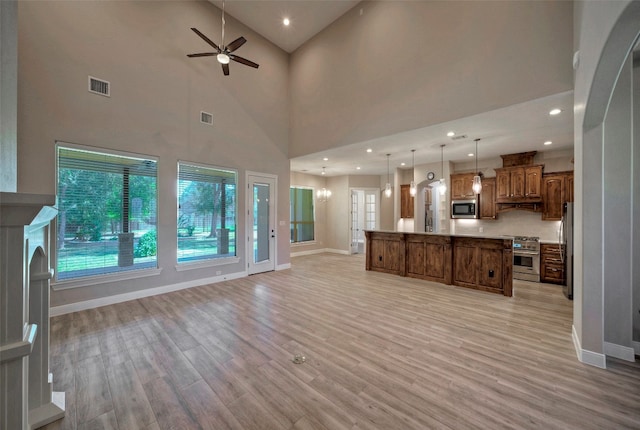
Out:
{"x": 567, "y": 256}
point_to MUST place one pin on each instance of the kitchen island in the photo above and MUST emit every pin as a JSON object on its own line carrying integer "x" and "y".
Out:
{"x": 479, "y": 262}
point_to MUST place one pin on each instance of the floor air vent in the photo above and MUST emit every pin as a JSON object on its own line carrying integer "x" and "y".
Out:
{"x": 98, "y": 86}
{"x": 206, "y": 118}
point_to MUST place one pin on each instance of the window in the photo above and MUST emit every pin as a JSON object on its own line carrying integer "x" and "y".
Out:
{"x": 206, "y": 212}
{"x": 107, "y": 213}
{"x": 302, "y": 219}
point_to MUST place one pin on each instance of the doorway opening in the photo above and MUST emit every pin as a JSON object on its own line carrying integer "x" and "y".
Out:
{"x": 364, "y": 215}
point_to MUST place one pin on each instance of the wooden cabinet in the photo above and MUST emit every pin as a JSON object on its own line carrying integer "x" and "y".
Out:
{"x": 480, "y": 263}
{"x": 385, "y": 252}
{"x": 406, "y": 202}
{"x": 429, "y": 257}
{"x": 483, "y": 264}
{"x": 461, "y": 186}
{"x": 552, "y": 268}
{"x": 519, "y": 184}
{"x": 488, "y": 199}
{"x": 557, "y": 188}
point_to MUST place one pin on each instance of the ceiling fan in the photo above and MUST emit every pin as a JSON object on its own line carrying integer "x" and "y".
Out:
{"x": 224, "y": 53}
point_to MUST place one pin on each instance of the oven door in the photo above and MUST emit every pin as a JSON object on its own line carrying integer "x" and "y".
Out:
{"x": 526, "y": 266}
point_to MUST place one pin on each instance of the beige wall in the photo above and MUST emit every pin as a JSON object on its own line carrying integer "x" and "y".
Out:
{"x": 403, "y": 65}
{"x": 157, "y": 94}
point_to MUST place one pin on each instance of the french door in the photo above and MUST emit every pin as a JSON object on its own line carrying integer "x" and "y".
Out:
{"x": 261, "y": 223}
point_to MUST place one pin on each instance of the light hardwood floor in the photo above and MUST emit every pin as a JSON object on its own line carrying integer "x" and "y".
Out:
{"x": 382, "y": 352}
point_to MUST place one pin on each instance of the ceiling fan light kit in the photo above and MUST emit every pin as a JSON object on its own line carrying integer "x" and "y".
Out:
{"x": 224, "y": 52}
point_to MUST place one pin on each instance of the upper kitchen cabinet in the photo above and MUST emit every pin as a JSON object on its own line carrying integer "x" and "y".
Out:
{"x": 488, "y": 199}
{"x": 557, "y": 188}
{"x": 406, "y": 202}
{"x": 519, "y": 184}
{"x": 461, "y": 186}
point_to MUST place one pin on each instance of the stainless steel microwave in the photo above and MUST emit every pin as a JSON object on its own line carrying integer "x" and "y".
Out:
{"x": 464, "y": 209}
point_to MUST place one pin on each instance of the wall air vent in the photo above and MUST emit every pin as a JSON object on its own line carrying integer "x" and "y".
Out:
{"x": 462, "y": 136}
{"x": 99, "y": 86}
{"x": 206, "y": 118}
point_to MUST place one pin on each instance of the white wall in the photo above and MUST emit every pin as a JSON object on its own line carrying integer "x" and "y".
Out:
{"x": 403, "y": 65}
{"x": 157, "y": 94}
{"x": 604, "y": 34}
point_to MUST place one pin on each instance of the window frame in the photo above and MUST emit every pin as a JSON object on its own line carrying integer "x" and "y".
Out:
{"x": 117, "y": 275}
{"x": 212, "y": 260}
{"x": 291, "y": 221}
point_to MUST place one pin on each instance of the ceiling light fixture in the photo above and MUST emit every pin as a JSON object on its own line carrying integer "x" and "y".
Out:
{"x": 325, "y": 159}
{"x": 555, "y": 111}
{"x": 357, "y": 167}
{"x": 477, "y": 181}
{"x": 323, "y": 194}
{"x": 369, "y": 150}
{"x": 387, "y": 187}
{"x": 286, "y": 21}
{"x": 548, "y": 142}
{"x": 323, "y": 172}
{"x": 412, "y": 186}
{"x": 443, "y": 184}
{"x": 451, "y": 134}
{"x": 471, "y": 154}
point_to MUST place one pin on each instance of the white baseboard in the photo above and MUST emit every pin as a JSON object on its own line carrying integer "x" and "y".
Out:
{"x": 636, "y": 347}
{"x": 320, "y": 251}
{"x": 119, "y": 298}
{"x": 309, "y": 252}
{"x": 587, "y": 357}
{"x": 619, "y": 351}
{"x": 283, "y": 266}
{"x": 338, "y": 251}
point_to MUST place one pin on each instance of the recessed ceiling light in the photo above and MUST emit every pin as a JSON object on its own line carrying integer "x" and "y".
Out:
{"x": 369, "y": 150}
{"x": 402, "y": 164}
{"x": 555, "y": 111}
{"x": 325, "y": 159}
{"x": 451, "y": 133}
{"x": 548, "y": 142}
{"x": 286, "y": 21}
{"x": 471, "y": 155}
{"x": 358, "y": 168}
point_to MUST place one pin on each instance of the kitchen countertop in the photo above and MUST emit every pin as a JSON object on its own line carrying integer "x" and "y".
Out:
{"x": 479, "y": 235}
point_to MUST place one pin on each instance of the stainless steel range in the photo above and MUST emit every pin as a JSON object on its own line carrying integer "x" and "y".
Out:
{"x": 526, "y": 258}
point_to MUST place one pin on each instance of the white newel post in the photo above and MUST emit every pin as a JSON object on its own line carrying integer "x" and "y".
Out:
{"x": 27, "y": 400}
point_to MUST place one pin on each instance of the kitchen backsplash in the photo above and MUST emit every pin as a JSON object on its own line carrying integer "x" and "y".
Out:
{"x": 514, "y": 223}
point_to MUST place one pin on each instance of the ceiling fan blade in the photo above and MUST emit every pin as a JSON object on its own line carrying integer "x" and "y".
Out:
{"x": 203, "y": 54}
{"x": 243, "y": 61}
{"x": 205, "y": 38}
{"x": 236, "y": 44}
{"x": 225, "y": 69}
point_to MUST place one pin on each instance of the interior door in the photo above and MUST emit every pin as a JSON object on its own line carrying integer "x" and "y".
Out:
{"x": 261, "y": 223}
{"x": 355, "y": 230}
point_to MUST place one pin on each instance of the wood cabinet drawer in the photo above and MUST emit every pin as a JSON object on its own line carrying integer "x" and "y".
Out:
{"x": 553, "y": 273}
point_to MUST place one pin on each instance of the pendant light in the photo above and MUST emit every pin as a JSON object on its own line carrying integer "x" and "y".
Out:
{"x": 387, "y": 187}
{"x": 477, "y": 181}
{"x": 323, "y": 194}
{"x": 412, "y": 186}
{"x": 443, "y": 184}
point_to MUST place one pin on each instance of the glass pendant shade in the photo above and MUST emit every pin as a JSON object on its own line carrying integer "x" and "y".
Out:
{"x": 412, "y": 189}
{"x": 477, "y": 184}
{"x": 387, "y": 187}
{"x": 442, "y": 187}
{"x": 223, "y": 58}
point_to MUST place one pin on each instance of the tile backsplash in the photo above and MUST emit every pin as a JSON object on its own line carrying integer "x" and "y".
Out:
{"x": 514, "y": 223}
